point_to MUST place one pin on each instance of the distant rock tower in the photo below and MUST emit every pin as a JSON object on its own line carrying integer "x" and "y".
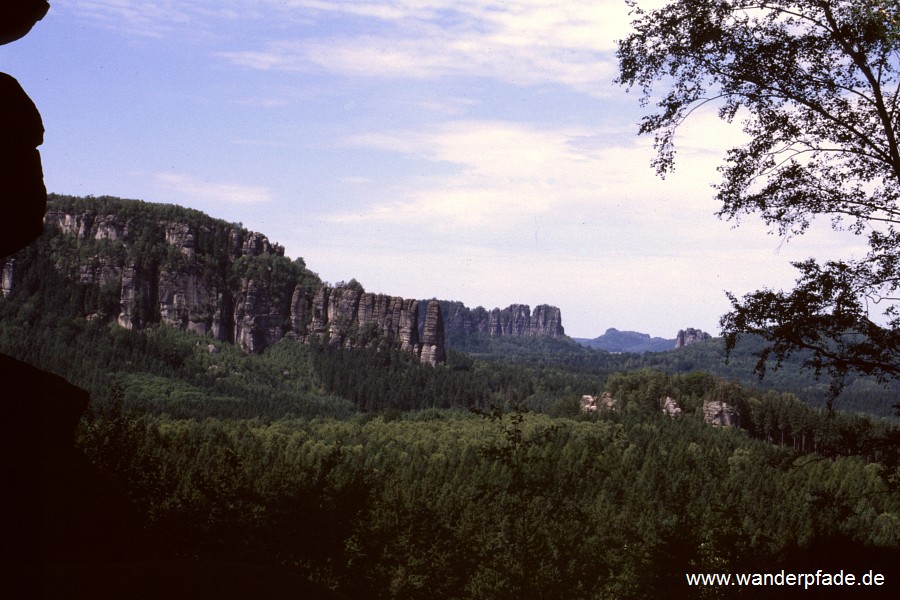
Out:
{"x": 689, "y": 336}
{"x": 433, "y": 351}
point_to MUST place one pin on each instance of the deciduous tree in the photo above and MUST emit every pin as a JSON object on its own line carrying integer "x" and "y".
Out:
{"x": 816, "y": 86}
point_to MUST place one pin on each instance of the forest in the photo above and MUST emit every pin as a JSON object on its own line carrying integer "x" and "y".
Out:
{"x": 375, "y": 476}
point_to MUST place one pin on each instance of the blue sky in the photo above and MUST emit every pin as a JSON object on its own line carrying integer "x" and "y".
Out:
{"x": 466, "y": 150}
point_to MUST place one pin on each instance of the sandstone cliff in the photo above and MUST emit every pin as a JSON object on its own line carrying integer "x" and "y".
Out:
{"x": 689, "y": 336}
{"x": 461, "y": 322}
{"x": 166, "y": 264}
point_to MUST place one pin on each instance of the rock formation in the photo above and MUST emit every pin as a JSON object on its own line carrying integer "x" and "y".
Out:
{"x": 720, "y": 414}
{"x": 462, "y": 322}
{"x": 19, "y": 17}
{"x": 689, "y": 336}
{"x": 22, "y": 192}
{"x": 54, "y": 506}
{"x": 193, "y": 272}
{"x": 594, "y": 404}
{"x": 433, "y": 337}
{"x": 670, "y": 407}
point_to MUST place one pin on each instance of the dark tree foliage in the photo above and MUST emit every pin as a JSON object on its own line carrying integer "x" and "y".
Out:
{"x": 444, "y": 504}
{"x": 816, "y": 84}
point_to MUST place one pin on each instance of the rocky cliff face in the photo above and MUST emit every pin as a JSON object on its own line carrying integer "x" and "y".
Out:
{"x": 433, "y": 337}
{"x": 721, "y": 414}
{"x": 689, "y": 336}
{"x": 163, "y": 264}
{"x": 348, "y": 317}
{"x": 515, "y": 320}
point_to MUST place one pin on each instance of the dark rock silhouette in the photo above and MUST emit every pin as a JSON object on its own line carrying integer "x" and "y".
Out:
{"x": 67, "y": 529}
{"x": 22, "y": 194}
{"x": 17, "y": 17}
{"x": 54, "y": 507}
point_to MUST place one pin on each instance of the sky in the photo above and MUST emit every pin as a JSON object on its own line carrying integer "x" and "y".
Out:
{"x": 458, "y": 149}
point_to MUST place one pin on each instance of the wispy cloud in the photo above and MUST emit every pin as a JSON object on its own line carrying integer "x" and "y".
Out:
{"x": 264, "y": 101}
{"x": 157, "y": 18}
{"x": 522, "y": 43}
{"x": 188, "y": 187}
{"x": 528, "y": 189}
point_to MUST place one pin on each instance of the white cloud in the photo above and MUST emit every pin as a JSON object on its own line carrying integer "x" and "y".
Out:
{"x": 523, "y": 43}
{"x": 187, "y": 188}
{"x": 526, "y": 213}
{"x": 151, "y": 18}
{"x": 507, "y": 172}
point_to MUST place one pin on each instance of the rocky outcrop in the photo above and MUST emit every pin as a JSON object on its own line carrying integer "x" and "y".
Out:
{"x": 257, "y": 318}
{"x": 670, "y": 407}
{"x": 689, "y": 336}
{"x": 433, "y": 335}
{"x": 186, "y": 302}
{"x": 19, "y": 17}
{"x": 347, "y": 317}
{"x": 216, "y": 278}
{"x": 515, "y": 320}
{"x": 22, "y": 192}
{"x": 393, "y": 318}
{"x": 720, "y": 414}
{"x": 604, "y": 402}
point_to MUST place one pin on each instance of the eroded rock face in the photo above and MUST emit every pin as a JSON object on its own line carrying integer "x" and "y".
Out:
{"x": 247, "y": 294}
{"x": 343, "y": 305}
{"x": 514, "y": 320}
{"x": 393, "y": 317}
{"x": 185, "y": 301}
{"x": 180, "y": 236}
{"x": 345, "y": 317}
{"x": 134, "y": 287}
{"x": 689, "y": 336}
{"x": 670, "y": 407}
{"x": 319, "y": 316}
{"x": 720, "y": 414}
{"x": 256, "y": 318}
{"x": 433, "y": 351}
{"x": 255, "y": 244}
{"x": 301, "y": 312}
{"x": 594, "y": 403}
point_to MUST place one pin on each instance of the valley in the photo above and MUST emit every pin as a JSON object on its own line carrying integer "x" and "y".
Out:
{"x": 252, "y": 412}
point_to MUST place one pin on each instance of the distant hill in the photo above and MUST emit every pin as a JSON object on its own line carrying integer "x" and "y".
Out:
{"x": 862, "y": 394}
{"x": 628, "y": 341}
{"x": 126, "y": 293}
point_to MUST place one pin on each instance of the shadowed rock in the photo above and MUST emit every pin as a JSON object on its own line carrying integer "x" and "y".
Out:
{"x": 17, "y": 17}
{"x": 23, "y": 197}
{"x": 433, "y": 351}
